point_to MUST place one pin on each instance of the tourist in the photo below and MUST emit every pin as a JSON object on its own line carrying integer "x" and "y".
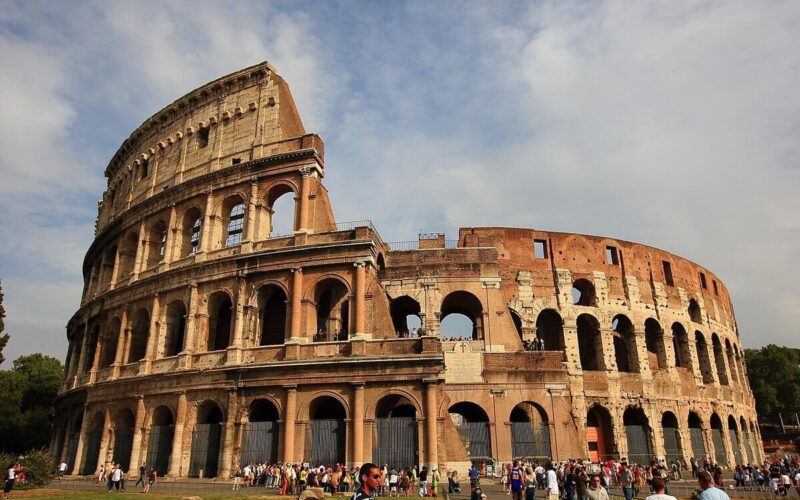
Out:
{"x": 423, "y": 481}
{"x": 474, "y": 477}
{"x": 62, "y": 469}
{"x": 369, "y": 476}
{"x": 709, "y": 491}
{"x": 453, "y": 486}
{"x": 237, "y": 477}
{"x": 142, "y": 473}
{"x": 11, "y": 476}
{"x": 516, "y": 484}
{"x": 659, "y": 490}
{"x": 151, "y": 480}
{"x": 626, "y": 481}
{"x": 116, "y": 476}
{"x": 595, "y": 490}
{"x": 552, "y": 483}
{"x": 530, "y": 484}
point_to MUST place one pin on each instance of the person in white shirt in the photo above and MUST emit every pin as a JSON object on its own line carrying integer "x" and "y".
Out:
{"x": 62, "y": 469}
{"x": 552, "y": 483}
{"x": 10, "y": 477}
{"x": 660, "y": 487}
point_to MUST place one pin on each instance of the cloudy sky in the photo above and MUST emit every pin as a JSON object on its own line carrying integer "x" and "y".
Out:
{"x": 674, "y": 124}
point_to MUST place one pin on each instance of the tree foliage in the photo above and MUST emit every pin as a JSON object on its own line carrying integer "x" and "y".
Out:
{"x": 3, "y": 337}
{"x": 27, "y": 396}
{"x": 774, "y": 374}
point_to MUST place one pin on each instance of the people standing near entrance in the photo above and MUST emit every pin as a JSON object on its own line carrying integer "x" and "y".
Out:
{"x": 474, "y": 477}
{"x": 515, "y": 482}
{"x": 710, "y": 492}
{"x": 369, "y": 477}
{"x": 552, "y": 483}
{"x": 626, "y": 481}
{"x": 660, "y": 489}
{"x": 62, "y": 469}
{"x": 142, "y": 474}
{"x": 423, "y": 481}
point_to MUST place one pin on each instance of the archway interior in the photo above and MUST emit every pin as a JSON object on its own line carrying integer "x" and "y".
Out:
{"x": 219, "y": 321}
{"x": 92, "y": 447}
{"x": 680, "y": 339}
{"x": 703, "y": 358}
{"x": 395, "y": 434}
{"x": 747, "y": 437}
{"x": 260, "y": 436}
{"x": 696, "y": 436}
{"x": 694, "y": 312}
{"x": 123, "y": 438}
{"x": 583, "y": 293}
{"x": 326, "y": 432}
{"x": 191, "y": 229}
{"x": 91, "y": 347}
{"x": 625, "y": 351}
{"x": 156, "y": 243}
{"x": 517, "y": 322}
{"x": 550, "y": 328}
{"x": 72, "y": 446}
{"x": 272, "y": 304}
{"x": 110, "y": 337}
{"x": 637, "y": 432}
{"x": 467, "y": 317}
{"x": 672, "y": 440}
{"x": 736, "y": 442}
{"x": 590, "y": 343}
{"x": 530, "y": 432}
{"x": 654, "y": 341}
{"x": 139, "y": 331}
{"x": 405, "y": 313}
{"x": 599, "y": 434}
{"x": 127, "y": 254}
{"x": 333, "y": 311}
{"x": 720, "y": 452}
{"x": 204, "y": 455}
{"x": 282, "y": 212}
{"x": 176, "y": 328}
{"x": 472, "y": 425}
{"x": 719, "y": 359}
{"x": 159, "y": 445}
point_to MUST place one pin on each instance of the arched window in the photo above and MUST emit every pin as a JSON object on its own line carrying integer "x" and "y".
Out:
{"x": 719, "y": 360}
{"x": 732, "y": 364}
{"x": 191, "y": 228}
{"x": 281, "y": 210}
{"x": 550, "y": 328}
{"x": 235, "y": 225}
{"x": 590, "y": 343}
{"x": 694, "y": 312}
{"x": 176, "y": 328}
{"x": 94, "y": 340}
{"x": 405, "y": 315}
{"x": 654, "y": 340}
{"x": 127, "y": 254}
{"x": 272, "y": 308}
{"x": 583, "y": 293}
{"x": 461, "y": 316}
{"x": 110, "y": 337}
{"x": 333, "y": 311}
{"x": 156, "y": 243}
{"x": 625, "y": 351}
{"x": 703, "y": 357}
{"x": 680, "y": 339}
{"x": 219, "y": 321}
{"x": 139, "y": 332}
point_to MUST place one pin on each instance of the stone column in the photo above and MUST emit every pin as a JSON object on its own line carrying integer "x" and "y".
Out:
{"x": 296, "y": 305}
{"x": 121, "y": 343}
{"x": 305, "y": 186}
{"x": 95, "y": 359}
{"x": 250, "y": 229}
{"x": 112, "y": 282}
{"x": 431, "y": 433}
{"x": 289, "y": 421}
{"x": 177, "y": 438}
{"x": 358, "y": 424}
{"x": 235, "y": 349}
{"x": 152, "y": 337}
{"x": 83, "y": 355}
{"x": 76, "y": 468}
{"x": 227, "y": 442}
{"x": 359, "y": 290}
{"x": 140, "y": 251}
{"x": 105, "y": 438}
{"x": 190, "y": 338}
{"x": 100, "y": 286}
{"x": 172, "y": 235}
{"x": 138, "y": 434}
{"x": 68, "y": 430}
{"x": 206, "y": 231}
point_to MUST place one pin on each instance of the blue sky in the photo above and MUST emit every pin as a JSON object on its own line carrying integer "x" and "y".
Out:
{"x": 673, "y": 124}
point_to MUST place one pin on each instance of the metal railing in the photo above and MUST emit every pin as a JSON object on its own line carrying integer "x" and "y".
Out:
{"x": 344, "y": 226}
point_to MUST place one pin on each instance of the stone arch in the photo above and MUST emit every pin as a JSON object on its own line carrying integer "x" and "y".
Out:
{"x": 261, "y": 431}
{"x": 331, "y": 302}
{"x": 220, "y": 320}
{"x": 681, "y": 346}
{"x": 673, "y": 446}
{"x": 156, "y": 243}
{"x": 278, "y": 194}
{"x": 590, "y": 343}
{"x": 517, "y": 320}
{"x": 272, "y": 314}
{"x": 91, "y": 449}
{"x": 703, "y": 358}
{"x": 92, "y": 345}
{"x": 176, "y": 328}
{"x": 205, "y": 451}
{"x": 696, "y": 435}
{"x": 747, "y": 439}
{"x": 720, "y": 450}
{"x": 584, "y": 293}
{"x": 626, "y": 353}
{"x": 599, "y": 433}
{"x": 530, "y": 431}
{"x": 326, "y": 430}
{"x": 467, "y": 305}
{"x": 550, "y": 328}
{"x": 159, "y": 445}
{"x": 400, "y": 394}
{"x": 140, "y": 329}
{"x": 190, "y": 231}
{"x": 735, "y": 440}
{"x": 124, "y": 422}
{"x": 234, "y": 216}
{"x": 637, "y": 432}
{"x": 732, "y": 364}
{"x": 719, "y": 359}
{"x": 695, "y": 315}
{"x": 127, "y": 248}
{"x": 654, "y": 341}
{"x": 472, "y": 424}
{"x": 395, "y": 433}
{"x": 405, "y": 312}
{"x": 380, "y": 263}
{"x": 108, "y": 343}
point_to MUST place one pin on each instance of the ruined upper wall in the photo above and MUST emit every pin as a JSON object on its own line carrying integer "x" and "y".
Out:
{"x": 240, "y": 117}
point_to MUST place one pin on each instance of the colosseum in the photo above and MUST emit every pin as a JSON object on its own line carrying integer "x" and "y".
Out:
{"x": 205, "y": 338}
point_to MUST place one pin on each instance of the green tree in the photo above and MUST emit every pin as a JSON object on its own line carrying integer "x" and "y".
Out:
{"x": 44, "y": 375}
{"x": 12, "y": 390}
{"x": 774, "y": 374}
{"x": 3, "y": 337}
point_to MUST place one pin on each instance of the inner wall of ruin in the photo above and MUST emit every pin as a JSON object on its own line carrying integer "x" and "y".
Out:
{"x": 206, "y": 339}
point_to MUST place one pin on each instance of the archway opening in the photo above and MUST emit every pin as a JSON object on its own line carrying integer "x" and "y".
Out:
{"x": 176, "y": 328}
{"x": 472, "y": 425}
{"x": 696, "y": 436}
{"x": 110, "y": 338}
{"x": 405, "y": 313}
{"x": 736, "y": 441}
{"x": 637, "y": 433}
{"x": 260, "y": 436}
{"x": 140, "y": 328}
{"x": 680, "y": 339}
{"x": 281, "y": 207}
{"x": 625, "y": 351}
{"x": 732, "y": 364}
{"x": 92, "y": 447}
{"x": 467, "y": 322}
{"x": 326, "y": 432}
{"x": 159, "y": 445}
{"x": 720, "y": 451}
{"x": 272, "y": 306}
{"x": 599, "y": 434}
{"x": 219, "y": 321}
{"x": 204, "y": 456}
{"x": 127, "y": 255}
{"x": 748, "y": 441}
{"x": 719, "y": 359}
{"x": 583, "y": 293}
{"x": 333, "y": 311}
{"x": 91, "y": 347}
{"x": 395, "y": 436}
{"x": 672, "y": 438}
{"x": 703, "y": 358}
{"x": 590, "y": 343}
{"x": 515, "y": 318}
{"x": 654, "y": 340}
{"x": 191, "y": 228}
{"x": 156, "y": 243}
{"x": 530, "y": 432}
{"x": 123, "y": 438}
{"x": 550, "y": 328}
{"x": 694, "y": 312}
{"x": 233, "y": 211}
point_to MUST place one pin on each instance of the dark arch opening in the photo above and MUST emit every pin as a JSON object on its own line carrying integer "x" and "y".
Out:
{"x": 599, "y": 434}
{"x": 703, "y": 357}
{"x": 191, "y": 229}
{"x": 91, "y": 347}
{"x": 219, "y": 321}
{"x": 637, "y": 432}
{"x": 395, "y": 432}
{"x": 281, "y": 206}
{"x": 123, "y": 438}
{"x": 156, "y": 243}
{"x": 159, "y": 445}
{"x": 517, "y": 321}
{"x": 272, "y": 304}
{"x": 719, "y": 360}
{"x": 92, "y": 446}
{"x": 672, "y": 439}
{"x": 736, "y": 441}
{"x": 720, "y": 452}
{"x": 694, "y": 311}
{"x": 140, "y": 328}
{"x": 625, "y": 352}
{"x": 680, "y": 340}
{"x": 583, "y": 293}
{"x": 405, "y": 313}
{"x": 326, "y": 434}
{"x": 205, "y": 441}
{"x": 233, "y": 212}
{"x": 550, "y": 328}
{"x": 590, "y": 343}
{"x": 530, "y": 432}
{"x": 472, "y": 425}
{"x": 127, "y": 254}
{"x": 333, "y": 311}
{"x": 260, "y": 436}
{"x": 176, "y": 328}
{"x": 470, "y": 308}
{"x": 110, "y": 338}
{"x": 654, "y": 340}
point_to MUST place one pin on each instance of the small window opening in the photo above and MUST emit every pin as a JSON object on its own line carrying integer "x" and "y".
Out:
{"x": 703, "y": 280}
{"x": 235, "y": 226}
{"x": 716, "y": 290}
{"x": 144, "y": 169}
{"x": 236, "y": 161}
{"x": 540, "y": 249}
{"x": 202, "y": 137}
{"x": 612, "y": 257}
{"x": 668, "y": 274}
{"x": 195, "y": 239}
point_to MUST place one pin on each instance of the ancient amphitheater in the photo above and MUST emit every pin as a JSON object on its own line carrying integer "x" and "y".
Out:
{"x": 206, "y": 339}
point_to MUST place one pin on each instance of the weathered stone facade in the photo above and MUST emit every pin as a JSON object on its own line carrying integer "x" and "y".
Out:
{"x": 204, "y": 339}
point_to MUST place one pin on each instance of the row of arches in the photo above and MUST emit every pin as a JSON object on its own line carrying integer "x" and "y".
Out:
{"x": 639, "y": 437}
